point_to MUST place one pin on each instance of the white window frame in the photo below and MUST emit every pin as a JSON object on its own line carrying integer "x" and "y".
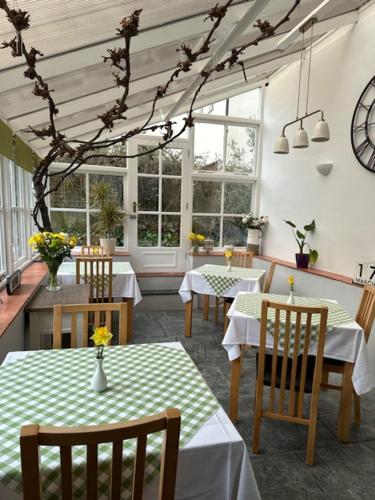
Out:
{"x": 223, "y": 176}
{"x": 99, "y": 170}
{"x": 7, "y": 210}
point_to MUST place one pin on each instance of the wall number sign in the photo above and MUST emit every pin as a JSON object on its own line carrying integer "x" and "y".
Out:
{"x": 365, "y": 273}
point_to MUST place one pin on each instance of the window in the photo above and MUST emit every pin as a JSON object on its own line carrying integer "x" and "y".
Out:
{"x": 71, "y": 209}
{"x": 225, "y": 167}
{"x": 15, "y": 217}
{"x": 218, "y": 208}
{"x": 159, "y": 197}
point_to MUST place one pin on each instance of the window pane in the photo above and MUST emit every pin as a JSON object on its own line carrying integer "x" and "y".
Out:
{"x": 95, "y": 235}
{"x": 234, "y": 232}
{"x": 116, "y": 149}
{"x": 148, "y": 163}
{"x": 71, "y": 193}
{"x": 241, "y": 143}
{"x": 206, "y": 197}
{"x": 16, "y": 185}
{"x": 148, "y": 193}
{"x": 170, "y": 231}
{"x": 208, "y": 226}
{"x": 171, "y": 201}
{"x": 18, "y": 235}
{"x": 171, "y": 161}
{"x": 218, "y": 108}
{"x": 2, "y": 247}
{"x": 246, "y": 105}
{"x": 73, "y": 223}
{"x": 208, "y": 144}
{"x": 148, "y": 230}
{"x": 177, "y": 123}
{"x": 117, "y": 186}
{"x": 237, "y": 198}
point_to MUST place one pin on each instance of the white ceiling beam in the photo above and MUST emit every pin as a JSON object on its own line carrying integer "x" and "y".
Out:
{"x": 75, "y": 60}
{"x": 227, "y": 43}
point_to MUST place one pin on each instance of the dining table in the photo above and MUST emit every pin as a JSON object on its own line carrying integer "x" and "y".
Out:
{"x": 52, "y": 387}
{"x": 218, "y": 281}
{"x": 345, "y": 341}
{"x": 124, "y": 285}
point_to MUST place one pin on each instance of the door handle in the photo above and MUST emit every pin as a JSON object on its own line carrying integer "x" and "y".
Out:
{"x": 134, "y": 207}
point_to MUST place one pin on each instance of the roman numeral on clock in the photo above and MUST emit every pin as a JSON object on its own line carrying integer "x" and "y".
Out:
{"x": 371, "y": 161}
{"x": 361, "y": 148}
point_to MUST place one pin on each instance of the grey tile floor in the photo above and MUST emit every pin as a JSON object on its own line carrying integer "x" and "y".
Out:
{"x": 341, "y": 471}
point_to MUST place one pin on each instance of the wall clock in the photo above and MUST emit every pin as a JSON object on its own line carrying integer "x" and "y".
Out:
{"x": 363, "y": 127}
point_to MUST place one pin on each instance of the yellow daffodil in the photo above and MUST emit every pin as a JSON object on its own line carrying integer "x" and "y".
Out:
{"x": 291, "y": 279}
{"x": 101, "y": 336}
{"x": 228, "y": 254}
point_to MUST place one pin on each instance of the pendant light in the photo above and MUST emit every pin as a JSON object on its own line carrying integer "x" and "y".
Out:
{"x": 321, "y": 129}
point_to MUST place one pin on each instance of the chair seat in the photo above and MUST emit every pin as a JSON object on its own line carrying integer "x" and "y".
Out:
{"x": 268, "y": 371}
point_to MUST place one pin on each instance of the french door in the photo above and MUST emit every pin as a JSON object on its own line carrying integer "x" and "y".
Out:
{"x": 158, "y": 222}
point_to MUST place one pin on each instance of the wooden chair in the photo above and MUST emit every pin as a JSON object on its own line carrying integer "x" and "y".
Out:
{"x": 97, "y": 272}
{"x": 365, "y": 318}
{"x": 92, "y": 314}
{"x": 34, "y": 436}
{"x": 92, "y": 250}
{"x": 241, "y": 258}
{"x": 298, "y": 375}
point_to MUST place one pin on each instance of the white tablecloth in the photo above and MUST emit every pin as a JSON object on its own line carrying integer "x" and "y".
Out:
{"x": 196, "y": 282}
{"x": 214, "y": 465}
{"x": 124, "y": 279}
{"x": 346, "y": 342}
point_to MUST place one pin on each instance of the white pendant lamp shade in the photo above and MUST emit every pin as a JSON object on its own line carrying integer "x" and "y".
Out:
{"x": 321, "y": 132}
{"x": 282, "y": 145}
{"x": 301, "y": 139}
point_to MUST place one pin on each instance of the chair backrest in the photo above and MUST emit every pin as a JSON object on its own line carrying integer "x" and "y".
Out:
{"x": 34, "y": 436}
{"x": 366, "y": 311}
{"x": 97, "y": 272}
{"x": 93, "y": 250}
{"x": 291, "y": 375}
{"x": 242, "y": 258}
{"x": 268, "y": 280}
{"x": 90, "y": 315}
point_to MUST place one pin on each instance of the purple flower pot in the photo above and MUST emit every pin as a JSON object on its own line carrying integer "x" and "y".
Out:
{"x": 302, "y": 260}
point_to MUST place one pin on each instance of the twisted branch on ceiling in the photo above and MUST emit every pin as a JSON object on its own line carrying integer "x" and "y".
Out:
{"x": 79, "y": 152}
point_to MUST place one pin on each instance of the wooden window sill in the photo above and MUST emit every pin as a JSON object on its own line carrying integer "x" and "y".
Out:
{"x": 31, "y": 278}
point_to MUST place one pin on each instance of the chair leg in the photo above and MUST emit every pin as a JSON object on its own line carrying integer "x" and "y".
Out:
{"x": 357, "y": 409}
{"x": 216, "y": 311}
{"x": 257, "y": 423}
{"x": 226, "y": 319}
{"x": 311, "y": 438}
{"x": 325, "y": 378}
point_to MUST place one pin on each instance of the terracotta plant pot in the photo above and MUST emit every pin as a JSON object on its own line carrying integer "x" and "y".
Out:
{"x": 302, "y": 260}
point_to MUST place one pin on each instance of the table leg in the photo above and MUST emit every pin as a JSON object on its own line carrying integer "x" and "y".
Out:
{"x": 345, "y": 403}
{"x": 130, "y": 301}
{"x": 235, "y": 377}
{"x": 188, "y": 317}
{"x": 206, "y": 305}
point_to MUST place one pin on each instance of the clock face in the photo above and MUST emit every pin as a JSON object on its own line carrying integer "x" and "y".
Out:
{"x": 363, "y": 127}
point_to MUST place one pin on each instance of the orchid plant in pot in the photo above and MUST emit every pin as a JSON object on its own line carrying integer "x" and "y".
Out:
{"x": 303, "y": 259}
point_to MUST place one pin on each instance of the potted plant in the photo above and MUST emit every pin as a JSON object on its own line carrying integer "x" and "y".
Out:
{"x": 109, "y": 218}
{"x": 254, "y": 226}
{"x": 303, "y": 259}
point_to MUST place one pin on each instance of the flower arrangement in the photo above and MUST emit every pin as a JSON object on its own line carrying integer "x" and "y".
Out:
{"x": 252, "y": 222}
{"x": 228, "y": 255}
{"x": 53, "y": 249}
{"x": 291, "y": 285}
{"x": 101, "y": 338}
{"x": 197, "y": 240}
{"x": 300, "y": 237}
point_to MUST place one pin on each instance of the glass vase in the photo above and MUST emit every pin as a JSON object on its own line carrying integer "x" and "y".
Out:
{"x": 53, "y": 267}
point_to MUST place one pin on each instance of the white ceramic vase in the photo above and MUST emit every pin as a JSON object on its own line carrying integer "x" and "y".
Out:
{"x": 229, "y": 266}
{"x": 109, "y": 245}
{"x": 99, "y": 380}
{"x": 253, "y": 236}
{"x": 291, "y": 298}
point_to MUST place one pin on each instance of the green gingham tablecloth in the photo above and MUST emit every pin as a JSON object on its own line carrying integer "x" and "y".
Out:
{"x": 53, "y": 388}
{"x": 221, "y": 280}
{"x": 251, "y": 304}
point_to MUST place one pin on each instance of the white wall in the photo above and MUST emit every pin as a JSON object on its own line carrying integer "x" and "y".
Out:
{"x": 343, "y": 203}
